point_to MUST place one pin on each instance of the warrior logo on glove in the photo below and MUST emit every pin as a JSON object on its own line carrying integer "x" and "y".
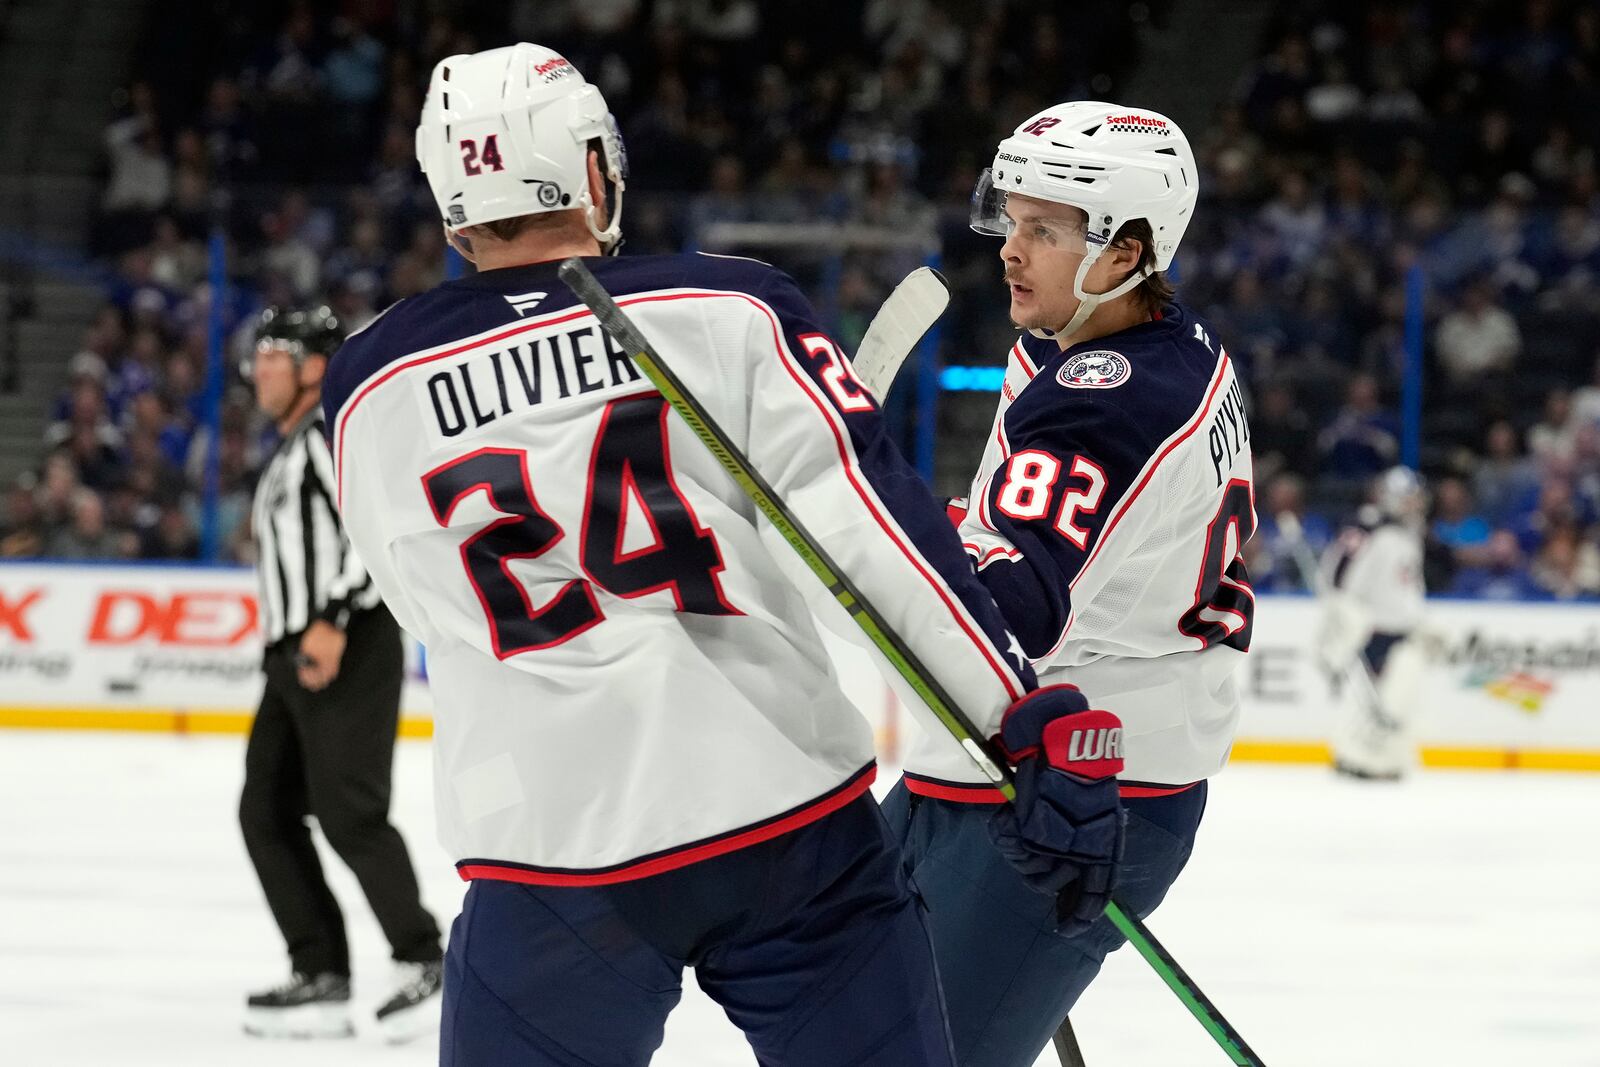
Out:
{"x": 1087, "y": 744}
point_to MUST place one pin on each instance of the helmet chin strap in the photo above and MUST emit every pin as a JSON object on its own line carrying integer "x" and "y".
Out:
{"x": 610, "y": 238}
{"x": 1087, "y": 302}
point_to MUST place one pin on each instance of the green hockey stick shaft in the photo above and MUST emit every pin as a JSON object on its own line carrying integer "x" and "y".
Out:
{"x": 616, "y": 322}
{"x": 1199, "y": 1005}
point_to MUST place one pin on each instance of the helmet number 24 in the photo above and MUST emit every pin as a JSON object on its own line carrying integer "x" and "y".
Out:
{"x": 473, "y": 163}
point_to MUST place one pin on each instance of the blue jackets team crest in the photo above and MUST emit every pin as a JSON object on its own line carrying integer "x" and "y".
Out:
{"x": 1102, "y": 369}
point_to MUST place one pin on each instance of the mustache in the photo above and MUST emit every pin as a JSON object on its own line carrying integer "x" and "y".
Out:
{"x": 1010, "y": 276}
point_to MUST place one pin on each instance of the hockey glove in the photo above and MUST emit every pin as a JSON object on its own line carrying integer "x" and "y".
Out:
{"x": 1064, "y": 833}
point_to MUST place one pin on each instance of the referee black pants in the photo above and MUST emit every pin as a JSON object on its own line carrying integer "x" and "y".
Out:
{"x": 330, "y": 754}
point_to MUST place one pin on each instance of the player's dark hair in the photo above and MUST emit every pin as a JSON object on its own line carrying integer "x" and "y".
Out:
{"x": 516, "y": 225}
{"x": 1155, "y": 290}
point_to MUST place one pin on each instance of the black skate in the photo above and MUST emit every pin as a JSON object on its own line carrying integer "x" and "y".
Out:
{"x": 1350, "y": 770}
{"x": 305, "y": 1006}
{"x": 413, "y": 1010}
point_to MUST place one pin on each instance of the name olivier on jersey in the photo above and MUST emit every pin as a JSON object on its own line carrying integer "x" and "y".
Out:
{"x": 496, "y": 382}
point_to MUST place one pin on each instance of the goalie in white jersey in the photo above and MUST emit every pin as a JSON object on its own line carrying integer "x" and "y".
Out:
{"x": 1373, "y": 605}
{"x": 643, "y": 758}
{"x": 1107, "y": 518}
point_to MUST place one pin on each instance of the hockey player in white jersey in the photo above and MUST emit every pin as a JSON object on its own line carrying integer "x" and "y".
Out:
{"x": 643, "y": 759}
{"x": 1107, "y": 518}
{"x": 1372, "y": 608}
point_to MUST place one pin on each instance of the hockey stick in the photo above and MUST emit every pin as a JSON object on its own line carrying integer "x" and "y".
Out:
{"x": 1066, "y": 1043}
{"x": 900, "y": 324}
{"x": 905, "y": 662}
{"x": 900, "y": 656}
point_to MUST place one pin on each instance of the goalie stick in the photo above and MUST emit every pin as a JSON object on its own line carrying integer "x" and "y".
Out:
{"x": 903, "y": 319}
{"x": 616, "y": 322}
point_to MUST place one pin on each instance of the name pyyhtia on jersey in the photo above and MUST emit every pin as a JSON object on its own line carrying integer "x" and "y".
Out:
{"x": 1107, "y": 518}
{"x": 626, "y": 671}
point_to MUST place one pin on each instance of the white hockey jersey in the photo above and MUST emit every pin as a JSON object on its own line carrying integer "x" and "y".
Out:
{"x": 1107, "y": 518}
{"x": 1373, "y": 573}
{"x": 627, "y": 676}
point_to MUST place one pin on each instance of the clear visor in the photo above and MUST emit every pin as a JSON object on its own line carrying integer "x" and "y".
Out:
{"x": 988, "y": 211}
{"x": 1056, "y": 224}
{"x": 617, "y": 149}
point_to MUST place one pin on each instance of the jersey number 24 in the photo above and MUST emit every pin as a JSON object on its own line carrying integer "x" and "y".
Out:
{"x": 630, "y": 463}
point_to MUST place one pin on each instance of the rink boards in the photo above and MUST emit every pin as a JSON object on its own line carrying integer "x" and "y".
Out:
{"x": 176, "y": 649}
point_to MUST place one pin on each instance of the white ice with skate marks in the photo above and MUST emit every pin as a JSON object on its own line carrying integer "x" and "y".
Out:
{"x": 1451, "y": 920}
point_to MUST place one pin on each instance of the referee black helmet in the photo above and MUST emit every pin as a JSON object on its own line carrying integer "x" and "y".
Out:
{"x": 314, "y": 331}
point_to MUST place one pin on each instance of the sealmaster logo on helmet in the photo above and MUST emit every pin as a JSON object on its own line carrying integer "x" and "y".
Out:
{"x": 1137, "y": 124}
{"x": 552, "y": 69}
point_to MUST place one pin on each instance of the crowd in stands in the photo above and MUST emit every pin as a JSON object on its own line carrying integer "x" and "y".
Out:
{"x": 1368, "y": 137}
{"x": 1460, "y": 138}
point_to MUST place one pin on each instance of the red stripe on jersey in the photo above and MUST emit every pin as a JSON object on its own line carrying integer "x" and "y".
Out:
{"x": 1012, "y": 687}
{"x": 732, "y": 841}
{"x": 984, "y": 558}
{"x": 1127, "y": 501}
{"x": 960, "y": 792}
{"x": 1027, "y": 364}
{"x": 1141, "y": 792}
{"x": 520, "y": 328}
{"x": 975, "y": 793}
{"x": 984, "y": 519}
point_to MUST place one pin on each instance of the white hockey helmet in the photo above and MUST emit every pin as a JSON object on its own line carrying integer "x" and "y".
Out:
{"x": 1401, "y": 494}
{"x": 1112, "y": 162}
{"x": 506, "y": 132}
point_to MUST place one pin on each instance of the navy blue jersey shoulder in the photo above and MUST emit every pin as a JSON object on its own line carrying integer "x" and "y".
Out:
{"x": 1116, "y": 398}
{"x": 480, "y": 302}
{"x": 1079, "y": 434}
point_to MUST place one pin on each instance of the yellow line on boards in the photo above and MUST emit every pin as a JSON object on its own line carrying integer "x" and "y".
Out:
{"x": 156, "y": 720}
{"x": 1434, "y": 756}
{"x": 1245, "y": 750}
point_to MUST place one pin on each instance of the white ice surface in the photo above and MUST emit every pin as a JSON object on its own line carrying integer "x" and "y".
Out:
{"x": 1452, "y": 920}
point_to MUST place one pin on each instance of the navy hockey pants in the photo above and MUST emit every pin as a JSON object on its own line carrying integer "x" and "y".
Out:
{"x": 1009, "y": 978}
{"x": 811, "y": 942}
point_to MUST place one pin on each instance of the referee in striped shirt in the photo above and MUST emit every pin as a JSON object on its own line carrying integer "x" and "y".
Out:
{"x": 323, "y": 739}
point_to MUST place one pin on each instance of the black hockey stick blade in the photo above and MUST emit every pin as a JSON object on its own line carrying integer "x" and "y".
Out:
{"x": 1067, "y": 1050}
